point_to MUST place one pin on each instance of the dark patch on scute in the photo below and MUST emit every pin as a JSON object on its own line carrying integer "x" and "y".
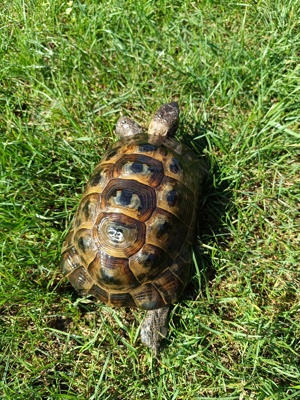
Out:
{"x": 173, "y": 198}
{"x": 84, "y": 243}
{"x": 151, "y": 259}
{"x": 137, "y": 167}
{"x": 167, "y": 231}
{"x": 86, "y": 209}
{"x": 153, "y": 169}
{"x": 153, "y": 165}
{"x": 125, "y": 197}
{"x": 77, "y": 222}
{"x": 175, "y": 166}
{"x": 112, "y": 272}
{"x": 149, "y": 262}
{"x": 147, "y": 147}
{"x": 157, "y": 261}
{"x": 169, "y": 286}
{"x": 109, "y": 279}
{"x": 111, "y": 154}
{"x": 150, "y": 169}
{"x": 163, "y": 228}
{"x": 143, "y": 206}
{"x": 95, "y": 179}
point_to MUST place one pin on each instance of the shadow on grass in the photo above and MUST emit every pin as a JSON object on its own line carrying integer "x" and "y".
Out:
{"x": 213, "y": 202}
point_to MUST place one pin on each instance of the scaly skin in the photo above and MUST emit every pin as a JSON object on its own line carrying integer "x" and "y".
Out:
{"x": 127, "y": 127}
{"x": 155, "y": 328}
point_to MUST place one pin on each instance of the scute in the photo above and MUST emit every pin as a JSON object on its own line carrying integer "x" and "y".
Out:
{"x": 147, "y": 297}
{"x": 70, "y": 260}
{"x": 148, "y": 262}
{"x": 166, "y": 231}
{"x": 169, "y": 285}
{"x": 140, "y": 167}
{"x": 176, "y": 198}
{"x": 112, "y": 273}
{"x": 81, "y": 280}
{"x": 118, "y": 235}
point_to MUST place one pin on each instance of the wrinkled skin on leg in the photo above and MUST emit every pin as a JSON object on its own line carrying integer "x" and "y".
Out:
{"x": 155, "y": 328}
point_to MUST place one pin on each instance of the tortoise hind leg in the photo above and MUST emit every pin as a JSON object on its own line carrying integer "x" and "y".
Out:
{"x": 155, "y": 327}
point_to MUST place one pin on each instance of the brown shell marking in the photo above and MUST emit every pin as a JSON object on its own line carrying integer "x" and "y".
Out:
{"x": 114, "y": 273}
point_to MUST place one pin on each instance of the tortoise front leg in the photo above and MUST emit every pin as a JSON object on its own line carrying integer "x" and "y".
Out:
{"x": 155, "y": 328}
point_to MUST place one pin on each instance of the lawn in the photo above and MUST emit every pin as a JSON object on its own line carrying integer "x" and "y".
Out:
{"x": 68, "y": 70}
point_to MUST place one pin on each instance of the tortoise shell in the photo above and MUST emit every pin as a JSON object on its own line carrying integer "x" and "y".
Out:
{"x": 130, "y": 243}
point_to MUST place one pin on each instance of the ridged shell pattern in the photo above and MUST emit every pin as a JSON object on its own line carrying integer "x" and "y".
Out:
{"x": 130, "y": 242}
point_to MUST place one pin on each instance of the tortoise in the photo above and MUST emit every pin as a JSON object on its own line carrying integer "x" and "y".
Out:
{"x": 130, "y": 242}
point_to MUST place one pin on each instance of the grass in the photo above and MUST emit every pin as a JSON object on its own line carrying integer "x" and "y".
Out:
{"x": 67, "y": 71}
